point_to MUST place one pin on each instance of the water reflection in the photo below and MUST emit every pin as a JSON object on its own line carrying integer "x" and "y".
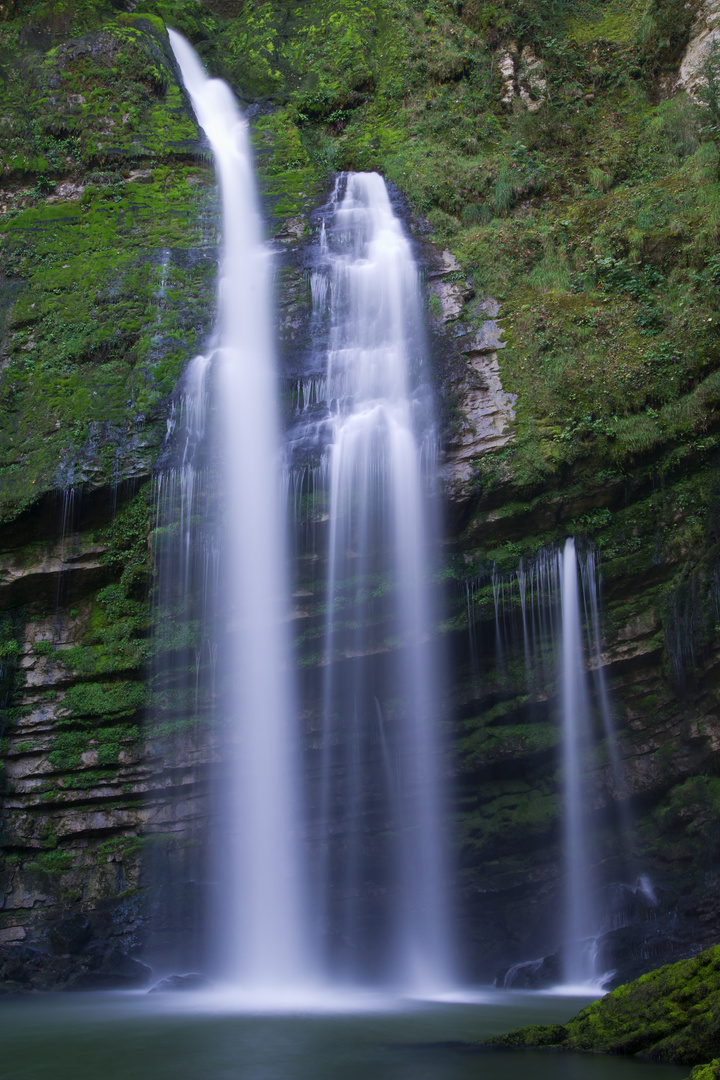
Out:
{"x": 166, "y": 1037}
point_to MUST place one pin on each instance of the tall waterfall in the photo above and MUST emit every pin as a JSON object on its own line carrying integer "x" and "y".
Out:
{"x": 582, "y": 920}
{"x": 379, "y": 871}
{"x": 260, "y": 912}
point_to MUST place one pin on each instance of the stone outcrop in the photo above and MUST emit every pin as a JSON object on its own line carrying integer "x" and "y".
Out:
{"x": 86, "y": 786}
{"x": 704, "y": 44}
{"x": 668, "y": 1015}
{"x": 485, "y": 416}
{"x": 523, "y": 78}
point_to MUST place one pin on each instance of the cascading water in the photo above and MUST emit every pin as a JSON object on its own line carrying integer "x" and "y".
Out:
{"x": 260, "y": 935}
{"x": 379, "y": 874}
{"x": 551, "y": 605}
{"x": 582, "y": 919}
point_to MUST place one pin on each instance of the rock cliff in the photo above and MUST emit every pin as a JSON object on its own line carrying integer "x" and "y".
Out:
{"x": 562, "y": 190}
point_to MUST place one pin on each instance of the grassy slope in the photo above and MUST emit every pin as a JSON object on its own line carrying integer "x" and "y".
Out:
{"x": 101, "y": 183}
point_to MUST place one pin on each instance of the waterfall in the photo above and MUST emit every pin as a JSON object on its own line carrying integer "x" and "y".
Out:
{"x": 379, "y": 873}
{"x": 259, "y": 909}
{"x": 582, "y": 919}
{"x": 547, "y": 622}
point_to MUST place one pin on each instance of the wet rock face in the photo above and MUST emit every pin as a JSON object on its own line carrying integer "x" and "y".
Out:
{"x": 486, "y": 411}
{"x": 71, "y": 934}
{"x": 483, "y": 413}
{"x": 105, "y": 820}
{"x": 648, "y": 935}
{"x": 95, "y": 966}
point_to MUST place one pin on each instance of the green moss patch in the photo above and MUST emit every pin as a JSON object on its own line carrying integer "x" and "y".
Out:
{"x": 672, "y": 1014}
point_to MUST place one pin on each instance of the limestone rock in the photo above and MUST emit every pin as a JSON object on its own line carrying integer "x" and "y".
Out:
{"x": 522, "y": 77}
{"x": 704, "y": 38}
{"x": 506, "y": 66}
{"x": 533, "y": 84}
{"x": 451, "y": 292}
{"x": 117, "y": 972}
{"x": 12, "y": 934}
{"x": 486, "y": 411}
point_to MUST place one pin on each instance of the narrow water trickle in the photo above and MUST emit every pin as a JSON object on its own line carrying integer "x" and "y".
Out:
{"x": 547, "y": 619}
{"x": 259, "y": 910}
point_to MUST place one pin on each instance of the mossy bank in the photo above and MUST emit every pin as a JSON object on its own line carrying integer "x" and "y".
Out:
{"x": 671, "y": 1014}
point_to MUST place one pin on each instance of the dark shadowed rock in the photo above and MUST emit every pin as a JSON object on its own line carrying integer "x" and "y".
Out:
{"x": 117, "y": 972}
{"x": 70, "y": 934}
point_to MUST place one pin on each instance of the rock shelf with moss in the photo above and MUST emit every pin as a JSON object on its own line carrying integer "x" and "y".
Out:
{"x": 671, "y": 1014}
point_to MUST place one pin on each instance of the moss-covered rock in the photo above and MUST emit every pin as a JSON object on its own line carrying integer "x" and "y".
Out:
{"x": 671, "y": 1014}
{"x": 710, "y": 1071}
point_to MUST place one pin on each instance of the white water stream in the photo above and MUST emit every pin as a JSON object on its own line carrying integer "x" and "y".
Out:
{"x": 582, "y": 916}
{"x": 558, "y": 600}
{"x": 260, "y": 914}
{"x": 381, "y": 755}
{"x": 380, "y": 891}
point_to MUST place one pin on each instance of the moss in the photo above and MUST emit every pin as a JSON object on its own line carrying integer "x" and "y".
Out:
{"x": 683, "y": 826}
{"x": 52, "y": 862}
{"x": 121, "y": 845}
{"x": 584, "y": 278}
{"x": 44, "y": 648}
{"x": 91, "y": 701}
{"x": 671, "y": 1015}
{"x": 79, "y": 380}
{"x": 112, "y": 740}
{"x": 600, "y": 257}
{"x": 510, "y": 821}
{"x": 617, "y": 23}
{"x": 710, "y": 1071}
{"x": 66, "y": 750}
{"x": 514, "y": 741}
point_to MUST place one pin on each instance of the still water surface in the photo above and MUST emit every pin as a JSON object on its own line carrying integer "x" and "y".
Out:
{"x": 188, "y": 1037}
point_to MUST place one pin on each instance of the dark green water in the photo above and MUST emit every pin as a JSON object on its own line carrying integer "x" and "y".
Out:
{"x": 173, "y": 1037}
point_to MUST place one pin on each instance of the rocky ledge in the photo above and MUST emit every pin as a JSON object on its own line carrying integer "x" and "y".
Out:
{"x": 671, "y": 1014}
{"x": 79, "y": 960}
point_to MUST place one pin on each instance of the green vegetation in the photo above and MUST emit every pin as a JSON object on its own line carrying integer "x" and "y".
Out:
{"x": 100, "y": 187}
{"x": 594, "y": 216}
{"x": 668, "y": 1015}
{"x": 682, "y": 829}
{"x": 52, "y": 862}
